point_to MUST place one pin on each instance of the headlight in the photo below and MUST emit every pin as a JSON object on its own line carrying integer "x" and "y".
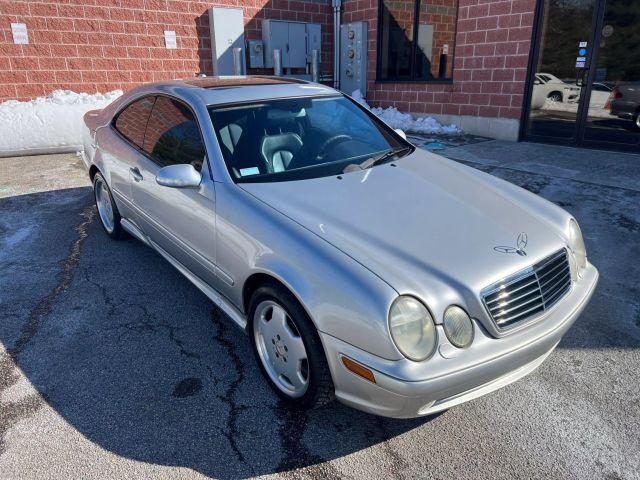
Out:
{"x": 578, "y": 251}
{"x": 458, "y": 326}
{"x": 412, "y": 328}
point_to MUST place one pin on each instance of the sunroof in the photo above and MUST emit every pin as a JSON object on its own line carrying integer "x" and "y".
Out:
{"x": 250, "y": 80}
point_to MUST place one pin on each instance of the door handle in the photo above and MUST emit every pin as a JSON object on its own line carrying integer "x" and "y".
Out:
{"x": 135, "y": 173}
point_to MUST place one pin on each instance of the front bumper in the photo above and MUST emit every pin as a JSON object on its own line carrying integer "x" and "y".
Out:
{"x": 406, "y": 389}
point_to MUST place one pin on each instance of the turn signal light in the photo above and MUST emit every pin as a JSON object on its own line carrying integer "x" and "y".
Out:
{"x": 358, "y": 369}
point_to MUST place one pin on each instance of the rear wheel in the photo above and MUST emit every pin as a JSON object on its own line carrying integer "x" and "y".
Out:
{"x": 287, "y": 347}
{"x": 107, "y": 209}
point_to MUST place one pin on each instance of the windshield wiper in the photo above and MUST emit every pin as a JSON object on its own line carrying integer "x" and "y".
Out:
{"x": 372, "y": 161}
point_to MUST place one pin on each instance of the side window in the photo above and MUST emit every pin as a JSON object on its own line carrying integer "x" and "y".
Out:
{"x": 172, "y": 135}
{"x": 131, "y": 121}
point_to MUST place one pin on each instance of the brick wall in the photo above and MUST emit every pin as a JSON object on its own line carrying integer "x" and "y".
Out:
{"x": 101, "y": 45}
{"x": 492, "y": 49}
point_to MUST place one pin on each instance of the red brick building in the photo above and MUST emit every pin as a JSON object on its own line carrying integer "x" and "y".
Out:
{"x": 472, "y": 62}
{"x": 483, "y": 88}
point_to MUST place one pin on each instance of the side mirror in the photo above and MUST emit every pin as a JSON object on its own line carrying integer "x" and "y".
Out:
{"x": 179, "y": 176}
{"x": 401, "y": 133}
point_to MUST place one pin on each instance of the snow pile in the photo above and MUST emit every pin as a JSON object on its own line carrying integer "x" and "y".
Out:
{"x": 48, "y": 123}
{"x": 405, "y": 121}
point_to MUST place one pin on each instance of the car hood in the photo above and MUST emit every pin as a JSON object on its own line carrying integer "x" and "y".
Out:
{"x": 425, "y": 224}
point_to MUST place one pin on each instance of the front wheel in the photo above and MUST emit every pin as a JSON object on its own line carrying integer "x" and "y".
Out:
{"x": 288, "y": 348}
{"x": 107, "y": 209}
{"x": 555, "y": 97}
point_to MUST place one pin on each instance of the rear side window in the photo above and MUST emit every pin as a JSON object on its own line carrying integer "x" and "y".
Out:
{"x": 132, "y": 121}
{"x": 172, "y": 135}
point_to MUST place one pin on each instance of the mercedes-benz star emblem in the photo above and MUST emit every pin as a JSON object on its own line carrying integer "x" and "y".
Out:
{"x": 521, "y": 244}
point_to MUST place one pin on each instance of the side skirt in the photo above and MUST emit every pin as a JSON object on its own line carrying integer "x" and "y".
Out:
{"x": 205, "y": 288}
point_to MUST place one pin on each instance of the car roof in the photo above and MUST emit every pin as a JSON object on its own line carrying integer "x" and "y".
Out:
{"x": 237, "y": 89}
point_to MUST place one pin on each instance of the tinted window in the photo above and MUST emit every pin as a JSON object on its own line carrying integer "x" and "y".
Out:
{"x": 132, "y": 120}
{"x": 172, "y": 135}
{"x": 297, "y": 138}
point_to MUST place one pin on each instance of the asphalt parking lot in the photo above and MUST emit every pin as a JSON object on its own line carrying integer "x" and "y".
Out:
{"x": 112, "y": 365}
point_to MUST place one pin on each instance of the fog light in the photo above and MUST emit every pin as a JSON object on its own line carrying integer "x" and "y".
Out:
{"x": 458, "y": 326}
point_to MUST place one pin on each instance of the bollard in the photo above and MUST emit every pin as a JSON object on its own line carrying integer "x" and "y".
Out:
{"x": 277, "y": 63}
{"x": 315, "y": 65}
{"x": 237, "y": 61}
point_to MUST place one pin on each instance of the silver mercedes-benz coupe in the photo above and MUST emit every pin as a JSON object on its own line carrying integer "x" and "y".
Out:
{"x": 395, "y": 280}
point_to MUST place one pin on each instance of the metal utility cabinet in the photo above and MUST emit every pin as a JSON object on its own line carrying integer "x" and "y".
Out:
{"x": 227, "y": 33}
{"x": 353, "y": 57}
{"x": 295, "y": 41}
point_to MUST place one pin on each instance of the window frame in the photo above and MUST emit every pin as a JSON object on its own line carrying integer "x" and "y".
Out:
{"x": 140, "y": 149}
{"x": 121, "y": 111}
{"x": 416, "y": 13}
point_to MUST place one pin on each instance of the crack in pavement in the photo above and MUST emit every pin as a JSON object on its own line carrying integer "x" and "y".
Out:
{"x": 230, "y": 395}
{"x": 12, "y": 412}
{"x": 150, "y": 323}
{"x": 297, "y": 460}
{"x": 397, "y": 462}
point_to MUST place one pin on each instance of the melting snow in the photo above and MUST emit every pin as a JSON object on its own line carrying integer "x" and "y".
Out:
{"x": 52, "y": 122}
{"x": 405, "y": 121}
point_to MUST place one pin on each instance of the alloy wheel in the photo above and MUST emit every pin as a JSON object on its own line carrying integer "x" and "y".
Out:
{"x": 103, "y": 202}
{"x": 281, "y": 349}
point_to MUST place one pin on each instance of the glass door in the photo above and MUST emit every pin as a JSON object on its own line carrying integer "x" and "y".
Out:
{"x": 564, "y": 45}
{"x": 613, "y": 112}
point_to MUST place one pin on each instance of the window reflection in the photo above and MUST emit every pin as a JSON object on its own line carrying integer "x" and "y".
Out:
{"x": 417, "y": 39}
{"x": 614, "y": 115}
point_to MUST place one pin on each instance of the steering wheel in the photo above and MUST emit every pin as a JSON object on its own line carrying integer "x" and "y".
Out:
{"x": 330, "y": 143}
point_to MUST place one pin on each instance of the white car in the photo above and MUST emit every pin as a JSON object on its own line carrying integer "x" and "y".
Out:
{"x": 547, "y": 86}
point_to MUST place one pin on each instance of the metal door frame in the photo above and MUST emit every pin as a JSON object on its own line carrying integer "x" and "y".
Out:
{"x": 593, "y": 50}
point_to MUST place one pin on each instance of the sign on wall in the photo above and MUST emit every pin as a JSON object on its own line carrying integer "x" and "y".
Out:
{"x": 170, "y": 40}
{"x": 19, "y": 32}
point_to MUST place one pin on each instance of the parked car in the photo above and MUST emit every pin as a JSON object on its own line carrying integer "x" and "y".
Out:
{"x": 548, "y": 86}
{"x": 624, "y": 102}
{"x": 600, "y": 93}
{"x": 362, "y": 268}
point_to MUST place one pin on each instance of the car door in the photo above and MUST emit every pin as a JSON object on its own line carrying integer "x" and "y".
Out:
{"x": 181, "y": 221}
{"x": 120, "y": 150}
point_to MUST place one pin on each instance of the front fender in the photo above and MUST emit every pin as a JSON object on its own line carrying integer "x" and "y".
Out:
{"x": 342, "y": 298}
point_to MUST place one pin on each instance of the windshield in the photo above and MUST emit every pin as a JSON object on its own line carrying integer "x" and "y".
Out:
{"x": 296, "y": 138}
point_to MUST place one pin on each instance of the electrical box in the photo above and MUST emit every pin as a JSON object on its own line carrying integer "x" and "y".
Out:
{"x": 295, "y": 40}
{"x": 227, "y": 33}
{"x": 314, "y": 39}
{"x": 256, "y": 53}
{"x": 353, "y": 57}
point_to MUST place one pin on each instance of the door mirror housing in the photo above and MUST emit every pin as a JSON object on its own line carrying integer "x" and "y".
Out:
{"x": 400, "y": 132}
{"x": 179, "y": 176}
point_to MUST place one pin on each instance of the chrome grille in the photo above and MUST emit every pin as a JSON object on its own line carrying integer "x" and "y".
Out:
{"x": 528, "y": 292}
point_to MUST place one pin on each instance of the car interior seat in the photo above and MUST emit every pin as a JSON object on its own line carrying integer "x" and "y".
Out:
{"x": 278, "y": 150}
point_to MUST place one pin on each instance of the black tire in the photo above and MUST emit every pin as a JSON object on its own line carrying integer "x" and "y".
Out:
{"x": 116, "y": 232}
{"x": 320, "y": 390}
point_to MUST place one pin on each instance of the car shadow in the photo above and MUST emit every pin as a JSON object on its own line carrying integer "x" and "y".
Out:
{"x": 141, "y": 363}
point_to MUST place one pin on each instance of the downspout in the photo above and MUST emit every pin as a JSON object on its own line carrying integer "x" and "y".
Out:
{"x": 336, "y": 4}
